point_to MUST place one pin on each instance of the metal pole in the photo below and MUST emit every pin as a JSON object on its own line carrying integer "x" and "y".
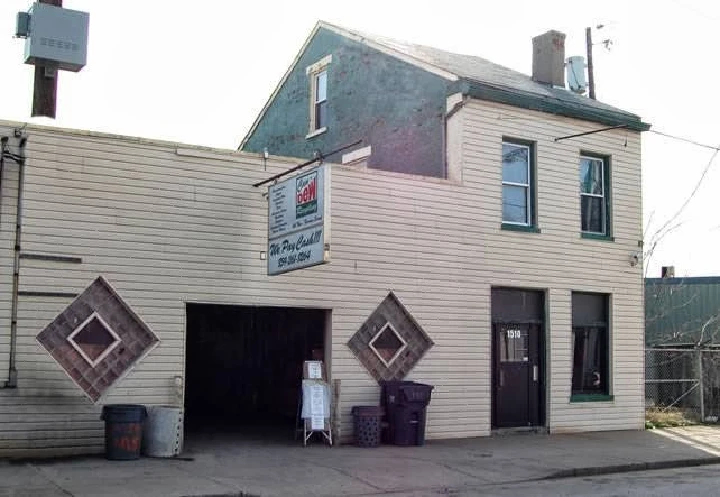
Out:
{"x": 13, "y": 374}
{"x": 702, "y": 386}
{"x": 591, "y": 132}
{"x": 591, "y": 76}
{"x": 304, "y": 164}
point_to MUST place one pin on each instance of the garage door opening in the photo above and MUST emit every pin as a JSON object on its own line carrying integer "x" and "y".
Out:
{"x": 244, "y": 367}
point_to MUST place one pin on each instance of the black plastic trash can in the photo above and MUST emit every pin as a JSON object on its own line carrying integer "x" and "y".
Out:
{"x": 366, "y": 425}
{"x": 411, "y": 414}
{"x": 389, "y": 400}
{"x": 123, "y": 430}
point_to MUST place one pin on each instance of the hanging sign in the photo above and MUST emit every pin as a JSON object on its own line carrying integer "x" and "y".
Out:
{"x": 299, "y": 221}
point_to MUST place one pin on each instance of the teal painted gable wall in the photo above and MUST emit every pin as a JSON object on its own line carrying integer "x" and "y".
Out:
{"x": 393, "y": 106}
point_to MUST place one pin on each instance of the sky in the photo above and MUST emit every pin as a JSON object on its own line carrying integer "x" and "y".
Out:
{"x": 200, "y": 72}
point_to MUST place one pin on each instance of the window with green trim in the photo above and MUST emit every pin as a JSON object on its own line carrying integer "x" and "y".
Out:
{"x": 518, "y": 183}
{"x": 594, "y": 195}
{"x": 591, "y": 343}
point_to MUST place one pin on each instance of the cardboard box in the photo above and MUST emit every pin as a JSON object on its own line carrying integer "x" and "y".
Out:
{"x": 314, "y": 370}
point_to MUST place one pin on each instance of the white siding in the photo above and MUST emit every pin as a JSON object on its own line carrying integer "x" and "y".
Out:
{"x": 168, "y": 226}
{"x": 558, "y": 259}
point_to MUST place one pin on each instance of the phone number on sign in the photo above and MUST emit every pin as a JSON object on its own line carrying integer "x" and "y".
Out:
{"x": 294, "y": 258}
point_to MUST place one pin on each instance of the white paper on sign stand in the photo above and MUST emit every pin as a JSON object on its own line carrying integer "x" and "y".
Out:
{"x": 317, "y": 423}
{"x": 317, "y": 402}
{"x": 315, "y": 370}
{"x": 316, "y": 399}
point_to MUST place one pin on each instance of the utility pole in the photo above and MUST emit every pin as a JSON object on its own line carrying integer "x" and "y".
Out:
{"x": 591, "y": 77}
{"x": 45, "y": 86}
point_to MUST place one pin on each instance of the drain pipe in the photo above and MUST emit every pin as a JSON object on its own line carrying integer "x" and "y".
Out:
{"x": 20, "y": 160}
{"x": 3, "y": 142}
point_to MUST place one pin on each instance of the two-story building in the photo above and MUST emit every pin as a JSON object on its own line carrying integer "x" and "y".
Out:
{"x": 528, "y": 145}
{"x": 497, "y": 265}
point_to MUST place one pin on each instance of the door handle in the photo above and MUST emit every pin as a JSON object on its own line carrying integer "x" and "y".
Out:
{"x": 502, "y": 379}
{"x": 535, "y": 373}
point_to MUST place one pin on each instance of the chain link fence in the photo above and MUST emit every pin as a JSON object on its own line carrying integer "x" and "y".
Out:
{"x": 683, "y": 383}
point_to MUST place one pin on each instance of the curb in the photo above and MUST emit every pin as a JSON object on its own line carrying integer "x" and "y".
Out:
{"x": 630, "y": 467}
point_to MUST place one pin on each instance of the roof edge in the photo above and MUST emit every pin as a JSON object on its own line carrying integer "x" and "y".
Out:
{"x": 509, "y": 96}
{"x": 351, "y": 35}
{"x": 384, "y": 47}
{"x": 275, "y": 92}
{"x": 687, "y": 280}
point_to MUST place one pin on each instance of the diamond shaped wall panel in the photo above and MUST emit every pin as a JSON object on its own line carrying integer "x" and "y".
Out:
{"x": 417, "y": 342}
{"x": 101, "y": 306}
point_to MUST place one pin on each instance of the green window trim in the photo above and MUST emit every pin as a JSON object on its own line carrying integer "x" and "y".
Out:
{"x": 520, "y": 227}
{"x": 591, "y": 397}
{"x": 591, "y": 343}
{"x": 597, "y": 236}
{"x": 607, "y": 196}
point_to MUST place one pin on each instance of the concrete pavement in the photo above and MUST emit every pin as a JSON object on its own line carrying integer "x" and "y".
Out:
{"x": 232, "y": 466}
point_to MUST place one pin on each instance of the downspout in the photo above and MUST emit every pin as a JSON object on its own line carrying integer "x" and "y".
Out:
{"x": 3, "y": 141}
{"x": 3, "y": 145}
{"x": 20, "y": 160}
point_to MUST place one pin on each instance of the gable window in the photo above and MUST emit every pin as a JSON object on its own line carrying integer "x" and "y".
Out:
{"x": 594, "y": 196}
{"x": 318, "y": 80}
{"x": 591, "y": 346}
{"x": 319, "y": 100}
{"x": 517, "y": 184}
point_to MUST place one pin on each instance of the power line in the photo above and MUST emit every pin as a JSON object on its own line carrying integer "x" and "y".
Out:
{"x": 697, "y": 12}
{"x": 686, "y": 140}
{"x": 692, "y": 194}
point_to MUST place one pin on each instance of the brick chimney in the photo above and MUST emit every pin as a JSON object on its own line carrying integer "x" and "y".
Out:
{"x": 667, "y": 271}
{"x": 549, "y": 58}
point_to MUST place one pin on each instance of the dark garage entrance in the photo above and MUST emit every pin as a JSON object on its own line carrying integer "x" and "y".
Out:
{"x": 518, "y": 351}
{"x": 243, "y": 367}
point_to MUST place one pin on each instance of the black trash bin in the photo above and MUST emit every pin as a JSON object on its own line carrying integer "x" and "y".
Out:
{"x": 389, "y": 400}
{"x": 123, "y": 430}
{"x": 366, "y": 425}
{"x": 410, "y": 414}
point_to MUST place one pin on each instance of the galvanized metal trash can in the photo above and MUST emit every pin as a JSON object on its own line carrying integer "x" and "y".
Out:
{"x": 163, "y": 433}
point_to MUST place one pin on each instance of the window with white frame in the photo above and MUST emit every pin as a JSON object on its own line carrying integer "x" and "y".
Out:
{"x": 517, "y": 184}
{"x": 319, "y": 100}
{"x": 594, "y": 196}
{"x": 318, "y": 80}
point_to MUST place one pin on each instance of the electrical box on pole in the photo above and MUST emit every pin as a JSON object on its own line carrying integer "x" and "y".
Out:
{"x": 55, "y": 40}
{"x": 58, "y": 37}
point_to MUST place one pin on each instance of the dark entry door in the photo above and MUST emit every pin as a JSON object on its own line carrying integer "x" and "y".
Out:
{"x": 517, "y": 374}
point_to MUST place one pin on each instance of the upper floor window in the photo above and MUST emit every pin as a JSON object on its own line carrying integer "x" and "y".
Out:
{"x": 318, "y": 78}
{"x": 594, "y": 195}
{"x": 319, "y": 100}
{"x": 517, "y": 184}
